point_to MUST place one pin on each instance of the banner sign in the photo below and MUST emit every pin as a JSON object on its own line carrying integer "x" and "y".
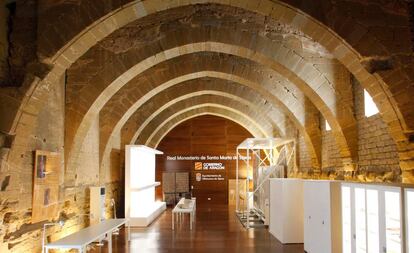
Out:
{"x": 205, "y": 158}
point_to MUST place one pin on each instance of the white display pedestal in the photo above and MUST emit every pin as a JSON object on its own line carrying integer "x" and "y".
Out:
{"x": 140, "y": 205}
{"x": 322, "y": 216}
{"x": 286, "y": 209}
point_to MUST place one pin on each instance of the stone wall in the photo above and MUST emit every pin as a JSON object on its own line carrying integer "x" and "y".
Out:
{"x": 331, "y": 158}
{"x": 305, "y": 161}
{"x": 17, "y": 232}
{"x": 377, "y": 158}
{"x": 88, "y": 161}
{"x": 377, "y": 152}
{"x": 3, "y": 42}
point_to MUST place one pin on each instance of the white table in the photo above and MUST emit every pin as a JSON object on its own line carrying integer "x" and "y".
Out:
{"x": 179, "y": 211}
{"x": 83, "y": 237}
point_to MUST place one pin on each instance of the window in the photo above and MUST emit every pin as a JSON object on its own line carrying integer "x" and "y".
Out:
{"x": 369, "y": 104}
{"x": 327, "y": 126}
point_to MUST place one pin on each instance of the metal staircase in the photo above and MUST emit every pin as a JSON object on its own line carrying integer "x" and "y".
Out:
{"x": 272, "y": 163}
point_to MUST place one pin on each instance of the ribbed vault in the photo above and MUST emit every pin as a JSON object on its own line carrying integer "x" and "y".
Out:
{"x": 137, "y": 123}
{"x": 84, "y": 79}
{"x": 206, "y": 109}
{"x": 306, "y": 59}
{"x": 242, "y": 107}
{"x": 269, "y": 85}
{"x": 237, "y": 113}
{"x": 219, "y": 47}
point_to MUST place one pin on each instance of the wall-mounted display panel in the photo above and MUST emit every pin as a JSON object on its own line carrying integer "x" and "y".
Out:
{"x": 45, "y": 185}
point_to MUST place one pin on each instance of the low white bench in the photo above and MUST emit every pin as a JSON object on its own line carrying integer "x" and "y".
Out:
{"x": 190, "y": 209}
{"x": 83, "y": 237}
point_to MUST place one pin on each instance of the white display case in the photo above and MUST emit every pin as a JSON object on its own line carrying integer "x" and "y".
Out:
{"x": 286, "y": 209}
{"x": 409, "y": 219}
{"x": 140, "y": 205}
{"x": 322, "y": 216}
{"x": 371, "y": 218}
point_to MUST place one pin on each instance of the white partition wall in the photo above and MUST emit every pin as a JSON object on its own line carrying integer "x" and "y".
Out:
{"x": 286, "y": 209}
{"x": 409, "y": 219}
{"x": 140, "y": 205}
{"x": 371, "y": 218}
{"x": 322, "y": 216}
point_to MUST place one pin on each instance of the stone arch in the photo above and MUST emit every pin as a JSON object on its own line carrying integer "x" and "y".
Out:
{"x": 203, "y": 97}
{"x": 203, "y": 109}
{"x": 186, "y": 80}
{"x": 206, "y": 109}
{"x": 250, "y": 118}
{"x": 333, "y": 41}
{"x": 229, "y": 49}
{"x": 390, "y": 109}
{"x": 242, "y": 106}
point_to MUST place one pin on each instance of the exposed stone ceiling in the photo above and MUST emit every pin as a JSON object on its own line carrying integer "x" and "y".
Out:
{"x": 153, "y": 27}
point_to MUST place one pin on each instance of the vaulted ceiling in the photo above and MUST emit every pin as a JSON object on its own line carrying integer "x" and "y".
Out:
{"x": 271, "y": 66}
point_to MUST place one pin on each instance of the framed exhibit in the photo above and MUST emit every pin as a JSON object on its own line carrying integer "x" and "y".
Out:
{"x": 45, "y": 185}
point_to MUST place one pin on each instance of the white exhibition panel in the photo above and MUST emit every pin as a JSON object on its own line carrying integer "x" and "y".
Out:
{"x": 372, "y": 218}
{"x": 140, "y": 205}
{"x": 322, "y": 216}
{"x": 286, "y": 209}
{"x": 409, "y": 210}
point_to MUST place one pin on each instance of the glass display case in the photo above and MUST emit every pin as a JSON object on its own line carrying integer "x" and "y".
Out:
{"x": 360, "y": 223}
{"x": 393, "y": 221}
{"x": 409, "y": 221}
{"x": 346, "y": 220}
{"x": 371, "y": 218}
{"x": 372, "y": 221}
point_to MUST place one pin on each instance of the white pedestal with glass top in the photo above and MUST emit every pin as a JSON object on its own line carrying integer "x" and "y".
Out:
{"x": 140, "y": 205}
{"x": 371, "y": 219}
